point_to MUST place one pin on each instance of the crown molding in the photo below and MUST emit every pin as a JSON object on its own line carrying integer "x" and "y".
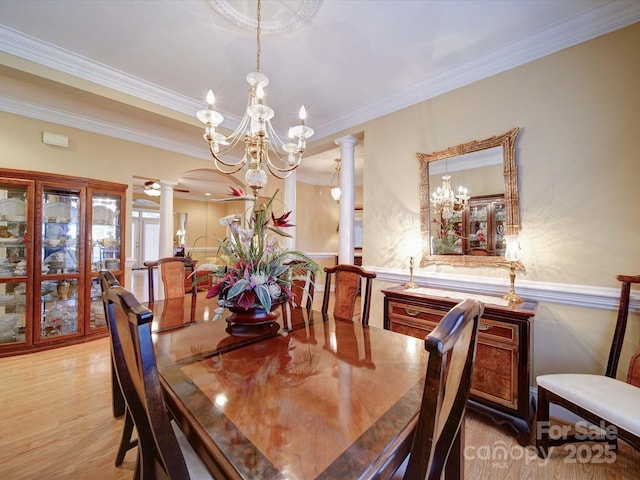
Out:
{"x": 53, "y": 115}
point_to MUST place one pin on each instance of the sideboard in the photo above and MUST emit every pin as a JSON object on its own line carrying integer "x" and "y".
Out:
{"x": 500, "y": 383}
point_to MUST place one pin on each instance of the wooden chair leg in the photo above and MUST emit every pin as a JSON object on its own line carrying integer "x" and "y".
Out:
{"x": 542, "y": 424}
{"x": 126, "y": 443}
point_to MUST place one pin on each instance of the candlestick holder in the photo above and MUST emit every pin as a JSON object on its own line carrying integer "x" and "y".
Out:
{"x": 511, "y": 297}
{"x": 411, "y": 283}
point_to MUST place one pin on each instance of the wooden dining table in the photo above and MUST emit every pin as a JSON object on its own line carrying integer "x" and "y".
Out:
{"x": 310, "y": 397}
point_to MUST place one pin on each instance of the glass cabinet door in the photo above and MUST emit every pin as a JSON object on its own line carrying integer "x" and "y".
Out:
{"x": 60, "y": 263}
{"x": 14, "y": 258}
{"x": 478, "y": 233}
{"x": 105, "y": 248}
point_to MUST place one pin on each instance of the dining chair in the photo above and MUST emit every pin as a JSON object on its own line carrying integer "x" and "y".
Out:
{"x": 605, "y": 402}
{"x": 108, "y": 280}
{"x": 347, "y": 288}
{"x": 160, "y": 453}
{"x": 172, "y": 274}
{"x": 438, "y": 441}
{"x": 302, "y": 290}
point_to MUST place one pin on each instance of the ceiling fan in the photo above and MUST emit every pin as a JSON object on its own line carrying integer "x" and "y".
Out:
{"x": 152, "y": 188}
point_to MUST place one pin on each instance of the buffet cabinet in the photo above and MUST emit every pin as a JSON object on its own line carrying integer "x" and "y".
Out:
{"x": 500, "y": 382}
{"x": 56, "y": 234}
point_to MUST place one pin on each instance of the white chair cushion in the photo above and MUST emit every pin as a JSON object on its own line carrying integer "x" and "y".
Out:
{"x": 614, "y": 401}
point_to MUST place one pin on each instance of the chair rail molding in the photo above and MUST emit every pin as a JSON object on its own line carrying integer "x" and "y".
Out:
{"x": 590, "y": 296}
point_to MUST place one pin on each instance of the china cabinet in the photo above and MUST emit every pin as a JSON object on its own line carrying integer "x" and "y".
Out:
{"x": 56, "y": 233}
{"x": 500, "y": 382}
{"x": 485, "y": 225}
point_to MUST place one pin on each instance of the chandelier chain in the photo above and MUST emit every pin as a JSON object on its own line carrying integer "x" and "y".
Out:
{"x": 258, "y": 48}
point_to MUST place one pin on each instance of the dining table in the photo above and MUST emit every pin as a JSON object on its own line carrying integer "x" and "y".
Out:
{"x": 308, "y": 396}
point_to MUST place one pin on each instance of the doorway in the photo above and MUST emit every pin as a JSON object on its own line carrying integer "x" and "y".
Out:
{"x": 145, "y": 236}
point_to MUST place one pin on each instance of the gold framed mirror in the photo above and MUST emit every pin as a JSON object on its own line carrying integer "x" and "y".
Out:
{"x": 510, "y": 224}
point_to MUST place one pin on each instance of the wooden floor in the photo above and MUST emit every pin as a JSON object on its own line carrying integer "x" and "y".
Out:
{"x": 56, "y": 423}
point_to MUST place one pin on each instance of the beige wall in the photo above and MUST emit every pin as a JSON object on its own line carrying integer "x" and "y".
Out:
{"x": 203, "y": 226}
{"x": 577, "y": 153}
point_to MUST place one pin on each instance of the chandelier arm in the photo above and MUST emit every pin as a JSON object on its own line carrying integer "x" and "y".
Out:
{"x": 276, "y": 171}
{"x": 272, "y": 134}
{"x": 272, "y": 166}
{"x": 217, "y": 159}
{"x": 217, "y": 163}
{"x": 235, "y": 137}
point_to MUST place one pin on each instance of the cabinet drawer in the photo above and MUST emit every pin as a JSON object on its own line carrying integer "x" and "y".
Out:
{"x": 422, "y": 317}
{"x": 498, "y": 331}
{"x": 402, "y": 310}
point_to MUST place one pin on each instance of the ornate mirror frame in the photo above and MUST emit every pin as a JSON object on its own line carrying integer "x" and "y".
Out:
{"x": 507, "y": 141}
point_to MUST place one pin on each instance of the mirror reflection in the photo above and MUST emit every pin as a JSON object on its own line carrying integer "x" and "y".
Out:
{"x": 469, "y": 202}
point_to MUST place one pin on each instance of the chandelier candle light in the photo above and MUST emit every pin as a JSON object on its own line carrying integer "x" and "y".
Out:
{"x": 257, "y": 133}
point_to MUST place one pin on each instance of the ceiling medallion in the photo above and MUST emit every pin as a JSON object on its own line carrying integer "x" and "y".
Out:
{"x": 282, "y": 16}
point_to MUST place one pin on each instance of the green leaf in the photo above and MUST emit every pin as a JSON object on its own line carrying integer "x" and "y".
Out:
{"x": 237, "y": 289}
{"x": 262, "y": 292}
{"x": 246, "y": 198}
{"x": 282, "y": 233}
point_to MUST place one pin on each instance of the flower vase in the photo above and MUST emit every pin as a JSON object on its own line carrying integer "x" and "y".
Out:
{"x": 252, "y": 316}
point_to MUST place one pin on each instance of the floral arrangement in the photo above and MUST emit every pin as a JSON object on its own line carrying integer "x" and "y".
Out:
{"x": 260, "y": 270}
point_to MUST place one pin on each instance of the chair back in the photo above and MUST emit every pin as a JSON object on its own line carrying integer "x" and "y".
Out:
{"x": 160, "y": 455}
{"x": 173, "y": 273}
{"x": 633, "y": 373}
{"x": 302, "y": 290}
{"x": 347, "y": 287}
{"x": 451, "y": 348}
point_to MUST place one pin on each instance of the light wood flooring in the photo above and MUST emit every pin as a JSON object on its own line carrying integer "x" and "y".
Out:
{"x": 56, "y": 423}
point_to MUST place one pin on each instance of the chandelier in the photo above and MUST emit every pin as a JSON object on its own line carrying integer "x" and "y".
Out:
{"x": 444, "y": 201}
{"x": 334, "y": 185}
{"x": 263, "y": 147}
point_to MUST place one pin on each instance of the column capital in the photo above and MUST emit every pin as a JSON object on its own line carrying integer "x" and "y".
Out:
{"x": 167, "y": 184}
{"x": 346, "y": 140}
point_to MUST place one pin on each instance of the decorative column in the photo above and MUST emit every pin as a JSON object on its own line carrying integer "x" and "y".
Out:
{"x": 166, "y": 219}
{"x": 290, "y": 191}
{"x": 347, "y": 198}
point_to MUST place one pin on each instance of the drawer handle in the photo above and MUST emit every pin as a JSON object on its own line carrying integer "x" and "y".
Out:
{"x": 483, "y": 327}
{"x": 412, "y": 313}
